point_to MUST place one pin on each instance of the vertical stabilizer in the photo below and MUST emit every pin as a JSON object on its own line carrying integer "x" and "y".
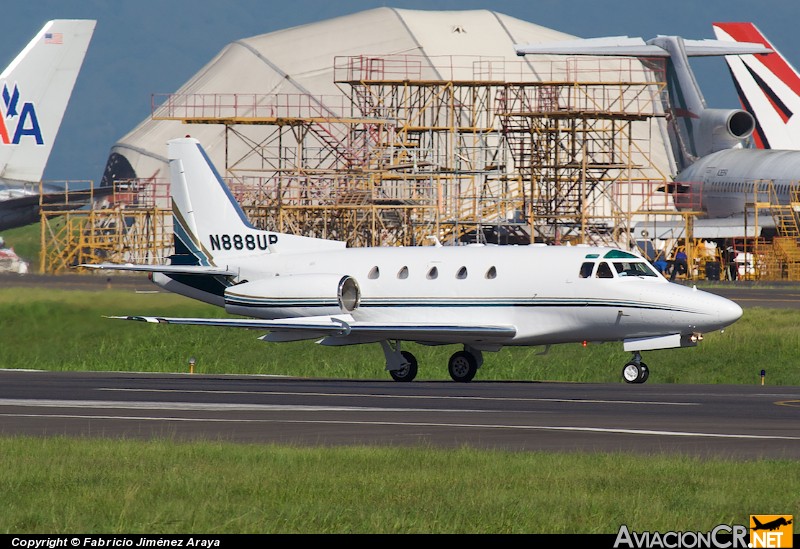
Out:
{"x": 686, "y": 100}
{"x": 210, "y": 226}
{"x": 34, "y": 91}
{"x": 768, "y": 87}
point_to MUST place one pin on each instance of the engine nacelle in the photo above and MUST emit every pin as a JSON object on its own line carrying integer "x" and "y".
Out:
{"x": 722, "y": 129}
{"x": 294, "y": 295}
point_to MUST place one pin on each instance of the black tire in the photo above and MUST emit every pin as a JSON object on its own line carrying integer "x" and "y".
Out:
{"x": 407, "y": 373}
{"x": 631, "y": 373}
{"x": 462, "y": 367}
{"x": 644, "y": 372}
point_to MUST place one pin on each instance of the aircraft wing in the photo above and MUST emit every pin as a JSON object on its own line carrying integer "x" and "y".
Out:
{"x": 345, "y": 330}
{"x": 171, "y": 269}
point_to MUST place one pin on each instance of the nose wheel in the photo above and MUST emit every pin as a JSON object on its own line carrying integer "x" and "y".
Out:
{"x": 635, "y": 371}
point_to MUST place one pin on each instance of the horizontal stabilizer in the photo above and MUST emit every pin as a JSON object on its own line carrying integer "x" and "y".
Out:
{"x": 612, "y": 45}
{"x": 626, "y": 46}
{"x": 705, "y": 48}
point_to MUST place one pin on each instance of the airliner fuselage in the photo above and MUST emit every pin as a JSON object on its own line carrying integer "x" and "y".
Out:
{"x": 729, "y": 180}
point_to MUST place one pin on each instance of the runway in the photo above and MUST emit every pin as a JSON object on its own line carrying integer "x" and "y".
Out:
{"x": 707, "y": 420}
{"x": 703, "y": 420}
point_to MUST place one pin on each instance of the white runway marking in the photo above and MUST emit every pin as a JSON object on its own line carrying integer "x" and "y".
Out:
{"x": 205, "y": 407}
{"x": 430, "y": 397}
{"x": 217, "y": 407}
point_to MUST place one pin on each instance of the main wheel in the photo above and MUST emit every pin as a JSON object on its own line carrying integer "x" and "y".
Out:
{"x": 462, "y": 366}
{"x": 407, "y": 372}
{"x": 631, "y": 372}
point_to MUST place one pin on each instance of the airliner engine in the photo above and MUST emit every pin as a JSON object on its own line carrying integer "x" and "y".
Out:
{"x": 722, "y": 129}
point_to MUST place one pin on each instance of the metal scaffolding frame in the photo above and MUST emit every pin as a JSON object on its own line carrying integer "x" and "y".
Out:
{"x": 416, "y": 150}
{"x": 132, "y": 222}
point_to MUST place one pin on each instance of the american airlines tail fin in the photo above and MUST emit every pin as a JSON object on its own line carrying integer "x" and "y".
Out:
{"x": 34, "y": 90}
{"x": 768, "y": 87}
{"x": 210, "y": 227}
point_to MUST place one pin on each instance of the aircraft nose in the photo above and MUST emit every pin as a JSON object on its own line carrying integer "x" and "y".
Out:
{"x": 727, "y": 311}
{"x": 730, "y": 313}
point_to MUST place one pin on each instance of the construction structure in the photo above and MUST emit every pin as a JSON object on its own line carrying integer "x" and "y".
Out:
{"x": 133, "y": 220}
{"x": 402, "y": 148}
{"x": 479, "y": 154}
{"x": 483, "y": 151}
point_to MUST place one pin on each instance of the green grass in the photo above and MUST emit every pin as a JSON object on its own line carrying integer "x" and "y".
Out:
{"x": 63, "y": 485}
{"x": 78, "y": 337}
{"x": 74, "y": 485}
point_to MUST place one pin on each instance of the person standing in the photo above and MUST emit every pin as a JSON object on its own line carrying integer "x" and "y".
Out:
{"x": 679, "y": 265}
{"x": 730, "y": 263}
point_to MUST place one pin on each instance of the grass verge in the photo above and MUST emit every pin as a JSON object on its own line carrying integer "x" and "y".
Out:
{"x": 62, "y": 485}
{"x": 52, "y": 329}
{"x": 67, "y": 485}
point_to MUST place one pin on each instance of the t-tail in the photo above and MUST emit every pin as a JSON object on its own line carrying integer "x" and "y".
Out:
{"x": 216, "y": 246}
{"x": 695, "y": 130}
{"x": 210, "y": 227}
{"x": 35, "y": 89}
{"x": 768, "y": 87}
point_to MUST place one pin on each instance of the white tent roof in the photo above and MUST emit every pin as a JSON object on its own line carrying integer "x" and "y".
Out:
{"x": 300, "y": 60}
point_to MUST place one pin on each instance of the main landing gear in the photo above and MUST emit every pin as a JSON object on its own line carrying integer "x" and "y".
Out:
{"x": 402, "y": 365}
{"x": 463, "y": 365}
{"x": 635, "y": 371}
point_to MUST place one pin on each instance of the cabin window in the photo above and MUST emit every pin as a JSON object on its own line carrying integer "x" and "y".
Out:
{"x": 491, "y": 273}
{"x": 633, "y": 268}
{"x": 462, "y": 273}
{"x": 402, "y": 273}
{"x": 586, "y": 269}
{"x": 433, "y": 273}
{"x": 604, "y": 271}
{"x": 374, "y": 273}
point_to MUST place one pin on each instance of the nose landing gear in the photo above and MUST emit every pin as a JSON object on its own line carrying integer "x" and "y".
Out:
{"x": 635, "y": 371}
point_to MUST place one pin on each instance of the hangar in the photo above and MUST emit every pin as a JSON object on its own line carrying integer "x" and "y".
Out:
{"x": 399, "y": 127}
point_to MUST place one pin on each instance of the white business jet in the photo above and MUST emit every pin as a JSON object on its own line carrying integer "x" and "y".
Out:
{"x": 480, "y": 297}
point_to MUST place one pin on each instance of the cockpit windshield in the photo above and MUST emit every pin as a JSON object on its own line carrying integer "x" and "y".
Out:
{"x": 633, "y": 268}
{"x": 624, "y": 265}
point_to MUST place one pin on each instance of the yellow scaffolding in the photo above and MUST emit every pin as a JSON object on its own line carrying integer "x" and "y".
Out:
{"x": 132, "y": 222}
{"x": 480, "y": 150}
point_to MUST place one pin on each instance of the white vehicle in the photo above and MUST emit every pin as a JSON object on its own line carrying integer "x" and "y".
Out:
{"x": 480, "y": 297}
{"x": 34, "y": 90}
{"x": 10, "y": 262}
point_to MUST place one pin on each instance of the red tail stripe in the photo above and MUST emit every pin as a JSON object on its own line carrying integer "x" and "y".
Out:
{"x": 747, "y": 32}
